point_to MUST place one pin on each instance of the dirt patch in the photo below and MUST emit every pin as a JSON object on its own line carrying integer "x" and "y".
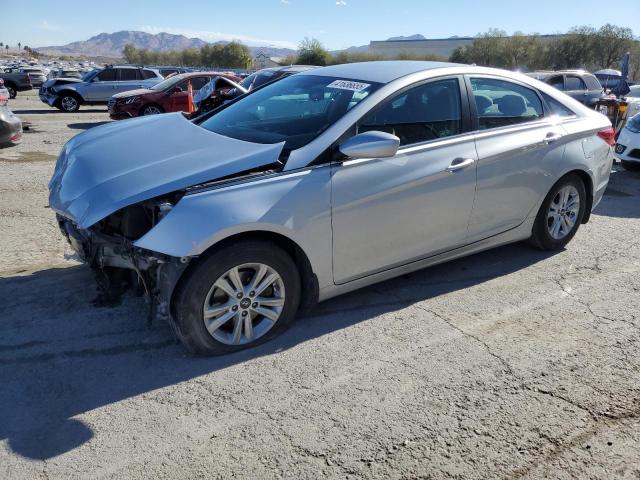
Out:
{"x": 28, "y": 157}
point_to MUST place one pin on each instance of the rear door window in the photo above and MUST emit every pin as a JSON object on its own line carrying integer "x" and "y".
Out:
{"x": 557, "y": 82}
{"x": 427, "y": 112}
{"x": 574, "y": 83}
{"x": 500, "y": 103}
{"x": 129, "y": 74}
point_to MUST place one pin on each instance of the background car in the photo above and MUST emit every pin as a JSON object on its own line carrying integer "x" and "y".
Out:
{"x": 65, "y": 73}
{"x": 170, "y": 95}
{"x": 610, "y": 78}
{"x": 578, "y": 84}
{"x": 10, "y": 125}
{"x": 627, "y": 148}
{"x": 15, "y": 81}
{"x": 96, "y": 87}
{"x": 249, "y": 83}
{"x": 325, "y": 182}
{"x": 36, "y": 75}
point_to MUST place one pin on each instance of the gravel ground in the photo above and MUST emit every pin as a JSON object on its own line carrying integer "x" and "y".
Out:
{"x": 513, "y": 363}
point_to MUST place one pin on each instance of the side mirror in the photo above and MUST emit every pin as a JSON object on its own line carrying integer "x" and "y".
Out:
{"x": 372, "y": 144}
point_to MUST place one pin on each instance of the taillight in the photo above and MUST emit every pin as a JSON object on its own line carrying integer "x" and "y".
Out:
{"x": 608, "y": 135}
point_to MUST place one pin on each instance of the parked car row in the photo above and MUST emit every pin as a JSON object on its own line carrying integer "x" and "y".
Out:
{"x": 170, "y": 95}
{"x": 578, "y": 84}
{"x": 321, "y": 183}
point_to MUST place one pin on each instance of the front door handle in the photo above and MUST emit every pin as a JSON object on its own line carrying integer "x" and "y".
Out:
{"x": 552, "y": 137}
{"x": 460, "y": 163}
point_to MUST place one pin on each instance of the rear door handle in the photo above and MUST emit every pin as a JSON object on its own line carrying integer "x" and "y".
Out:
{"x": 460, "y": 163}
{"x": 552, "y": 137}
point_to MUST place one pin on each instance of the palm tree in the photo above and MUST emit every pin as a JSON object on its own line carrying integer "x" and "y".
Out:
{"x": 7, "y": 48}
{"x": 19, "y": 47}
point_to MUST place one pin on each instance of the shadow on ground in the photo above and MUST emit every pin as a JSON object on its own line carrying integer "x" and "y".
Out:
{"x": 61, "y": 357}
{"x": 55, "y": 110}
{"x": 85, "y": 125}
{"x": 622, "y": 197}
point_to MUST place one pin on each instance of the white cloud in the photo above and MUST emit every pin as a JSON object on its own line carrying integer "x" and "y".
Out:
{"x": 209, "y": 36}
{"x": 49, "y": 27}
{"x": 285, "y": 2}
{"x": 341, "y": 3}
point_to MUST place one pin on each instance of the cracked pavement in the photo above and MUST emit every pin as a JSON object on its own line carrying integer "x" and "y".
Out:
{"x": 513, "y": 363}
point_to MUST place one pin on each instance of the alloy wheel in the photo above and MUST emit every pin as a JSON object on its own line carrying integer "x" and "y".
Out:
{"x": 69, "y": 104}
{"x": 244, "y": 303}
{"x": 151, "y": 110}
{"x": 563, "y": 212}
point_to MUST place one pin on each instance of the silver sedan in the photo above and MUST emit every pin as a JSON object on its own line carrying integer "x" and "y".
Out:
{"x": 322, "y": 183}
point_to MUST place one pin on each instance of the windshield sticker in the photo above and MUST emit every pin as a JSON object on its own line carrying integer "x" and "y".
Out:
{"x": 348, "y": 85}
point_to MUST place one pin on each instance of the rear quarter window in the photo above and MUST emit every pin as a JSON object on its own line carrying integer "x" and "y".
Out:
{"x": 556, "y": 107}
{"x": 592, "y": 82}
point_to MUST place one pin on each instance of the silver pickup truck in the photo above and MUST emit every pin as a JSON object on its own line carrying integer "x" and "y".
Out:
{"x": 96, "y": 87}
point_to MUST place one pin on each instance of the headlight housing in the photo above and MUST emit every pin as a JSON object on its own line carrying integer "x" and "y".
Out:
{"x": 129, "y": 100}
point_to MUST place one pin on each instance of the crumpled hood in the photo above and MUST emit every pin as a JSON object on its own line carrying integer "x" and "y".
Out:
{"x": 54, "y": 82}
{"x": 122, "y": 163}
{"x": 133, "y": 93}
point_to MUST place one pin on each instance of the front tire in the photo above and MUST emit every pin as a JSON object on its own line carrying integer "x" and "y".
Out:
{"x": 560, "y": 214}
{"x": 631, "y": 166}
{"x": 69, "y": 103}
{"x": 12, "y": 91}
{"x": 238, "y": 297}
{"x": 151, "y": 110}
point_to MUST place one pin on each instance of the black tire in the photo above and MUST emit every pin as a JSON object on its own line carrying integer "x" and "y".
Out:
{"x": 12, "y": 91}
{"x": 69, "y": 103}
{"x": 540, "y": 236}
{"x": 631, "y": 166}
{"x": 191, "y": 293}
{"x": 147, "y": 109}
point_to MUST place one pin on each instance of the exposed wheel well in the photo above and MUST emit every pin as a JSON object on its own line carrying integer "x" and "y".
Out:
{"x": 588, "y": 186}
{"x": 309, "y": 288}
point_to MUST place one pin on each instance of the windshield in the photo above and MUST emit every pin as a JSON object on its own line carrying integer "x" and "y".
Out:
{"x": 167, "y": 83}
{"x": 294, "y": 110}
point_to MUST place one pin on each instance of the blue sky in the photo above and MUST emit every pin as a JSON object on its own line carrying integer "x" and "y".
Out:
{"x": 337, "y": 23}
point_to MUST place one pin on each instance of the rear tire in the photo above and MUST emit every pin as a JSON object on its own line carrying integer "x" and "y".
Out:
{"x": 12, "y": 91}
{"x": 631, "y": 166}
{"x": 560, "y": 214}
{"x": 232, "y": 307}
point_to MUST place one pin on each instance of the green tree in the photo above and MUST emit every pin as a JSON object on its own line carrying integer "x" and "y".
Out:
{"x": 312, "y": 52}
{"x": 610, "y": 44}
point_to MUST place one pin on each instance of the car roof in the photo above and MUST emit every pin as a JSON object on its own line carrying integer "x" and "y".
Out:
{"x": 383, "y": 71}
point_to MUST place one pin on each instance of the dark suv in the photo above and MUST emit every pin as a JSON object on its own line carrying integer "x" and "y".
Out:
{"x": 578, "y": 84}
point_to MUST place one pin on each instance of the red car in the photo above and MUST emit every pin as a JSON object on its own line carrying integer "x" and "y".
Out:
{"x": 170, "y": 95}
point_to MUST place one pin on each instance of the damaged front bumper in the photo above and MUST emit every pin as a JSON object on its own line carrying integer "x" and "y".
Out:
{"x": 120, "y": 266}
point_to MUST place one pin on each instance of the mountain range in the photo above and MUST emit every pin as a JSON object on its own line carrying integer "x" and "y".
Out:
{"x": 111, "y": 45}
